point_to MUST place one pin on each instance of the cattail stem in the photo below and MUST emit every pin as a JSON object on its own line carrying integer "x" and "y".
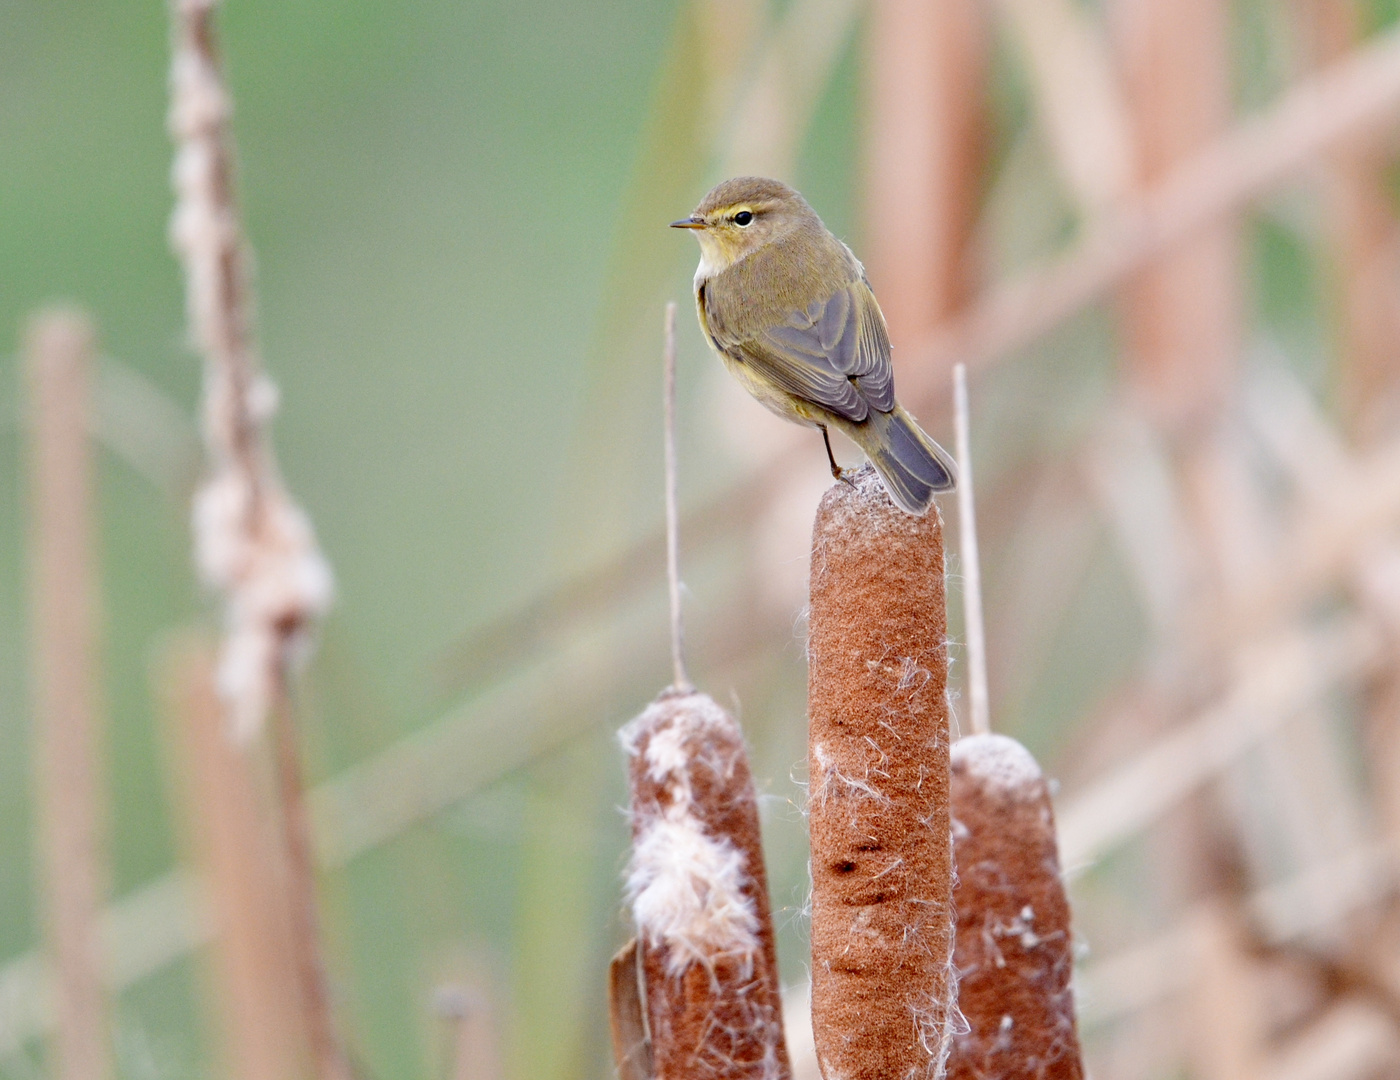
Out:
{"x": 971, "y": 563}
{"x": 1014, "y": 952}
{"x": 882, "y": 923}
{"x": 67, "y": 717}
{"x": 673, "y": 558}
{"x": 230, "y": 838}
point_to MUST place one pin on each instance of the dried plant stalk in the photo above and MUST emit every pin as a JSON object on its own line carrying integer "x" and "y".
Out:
{"x": 1363, "y": 237}
{"x": 882, "y": 933}
{"x": 708, "y": 975}
{"x": 1228, "y": 1031}
{"x": 234, "y": 848}
{"x": 71, "y": 796}
{"x": 1183, "y": 314}
{"x": 1013, "y": 949}
{"x": 253, "y": 544}
{"x": 927, "y": 89}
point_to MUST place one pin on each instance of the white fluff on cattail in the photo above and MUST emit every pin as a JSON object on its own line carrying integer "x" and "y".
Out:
{"x": 252, "y": 543}
{"x": 999, "y": 762}
{"x": 275, "y": 580}
{"x": 686, "y": 884}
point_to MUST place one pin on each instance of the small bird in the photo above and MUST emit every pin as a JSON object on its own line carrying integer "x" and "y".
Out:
{"x": 787, "y": 307}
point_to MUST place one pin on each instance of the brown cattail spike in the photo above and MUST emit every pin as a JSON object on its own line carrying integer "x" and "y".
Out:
{"x": 882, "y": 983}
{"x": 1014, "y": 955}
{"x": 699, "y": 895}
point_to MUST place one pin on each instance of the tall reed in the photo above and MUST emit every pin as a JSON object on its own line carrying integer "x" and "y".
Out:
{"x": 70, "y": 792}
{"x": 231, "y": 841}
{"x": 253, "y": 544}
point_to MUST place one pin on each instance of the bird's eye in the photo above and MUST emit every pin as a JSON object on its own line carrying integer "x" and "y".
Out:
{"x": 743, "y": 218}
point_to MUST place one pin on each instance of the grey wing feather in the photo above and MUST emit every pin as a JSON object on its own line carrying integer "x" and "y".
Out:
{"x": 834, "y": 354}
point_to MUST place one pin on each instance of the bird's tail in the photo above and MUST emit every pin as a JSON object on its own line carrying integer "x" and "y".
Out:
{"x": 913, "y": 466}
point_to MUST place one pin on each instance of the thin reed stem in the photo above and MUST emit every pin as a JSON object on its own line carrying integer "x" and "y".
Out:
{"x": 327, "y": 1053}
{"x": 681, "y": 682}
{"x": 971, "y": 563}
{"x": 67, "y": 718}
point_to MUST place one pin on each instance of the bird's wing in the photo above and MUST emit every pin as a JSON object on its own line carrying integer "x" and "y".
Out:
{"x": 834, "y": 353}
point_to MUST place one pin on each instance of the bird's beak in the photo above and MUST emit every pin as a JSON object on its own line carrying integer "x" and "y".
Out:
{"x": 688, "y": 223}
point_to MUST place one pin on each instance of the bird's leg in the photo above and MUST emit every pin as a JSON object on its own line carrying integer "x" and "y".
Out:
{"x": 836, "y": 470}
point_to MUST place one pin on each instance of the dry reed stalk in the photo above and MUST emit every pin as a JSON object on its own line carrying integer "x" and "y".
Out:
{"x": 926, "y": 76}
{"x": 1363, "y": 236}
{"x": 1182, "y": 320}
{"x": 978, "y": 698}
{"x": 1014, "y": 952}
{"x": 708, "y": 974}
{"x": 253, "y": 544}
{"x": 1280, "y": 916}
{"x": 882, "y": 924}
{"x": 233, "y": 846}
{"x": 1274, "y": 681}
{"x": 1363, "y": 239}
{"x": 1182, "y": 314}
{"x": 1226, "y": 1040}
{"x": 71, "y": 799}
{"x": 679, "y": 680}
{"x": 1348, "y": 1042}
{"x": 327, "y": 1052}
{"x": 1354, "y": 97}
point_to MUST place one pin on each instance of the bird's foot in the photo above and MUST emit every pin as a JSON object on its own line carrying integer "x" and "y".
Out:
{"x": 844, "y": 475}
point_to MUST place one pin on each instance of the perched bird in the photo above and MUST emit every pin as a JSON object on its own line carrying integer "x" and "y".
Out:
{"x": 787, "y": 307}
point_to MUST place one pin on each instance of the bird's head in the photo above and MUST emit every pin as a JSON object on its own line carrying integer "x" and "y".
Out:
{"x": 742, "y": 215}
